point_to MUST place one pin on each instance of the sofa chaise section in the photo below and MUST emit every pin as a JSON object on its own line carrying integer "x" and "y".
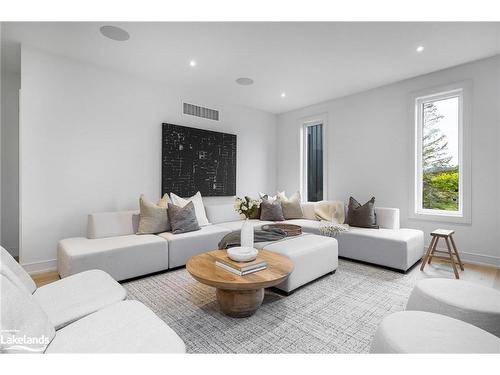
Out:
{"x": 112, "y": 246}
{"x": 399, "y": 249}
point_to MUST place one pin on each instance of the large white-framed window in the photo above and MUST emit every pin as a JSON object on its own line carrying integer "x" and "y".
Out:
{"x": 314, "y": 158}
{"x": 441, "y": 189}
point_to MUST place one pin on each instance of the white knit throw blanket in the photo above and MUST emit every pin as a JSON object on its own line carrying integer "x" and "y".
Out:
{"x": 330, "y": 211}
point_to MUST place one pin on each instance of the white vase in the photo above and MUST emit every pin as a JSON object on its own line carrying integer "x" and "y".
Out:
{"x": 247, "y": 234}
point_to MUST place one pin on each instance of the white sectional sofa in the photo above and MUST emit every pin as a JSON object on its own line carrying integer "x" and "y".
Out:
{"x": 112, "y": 246}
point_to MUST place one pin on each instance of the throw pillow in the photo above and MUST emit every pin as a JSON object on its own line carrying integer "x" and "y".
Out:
{"x": 362, "y": 215}
{"x": 271, "y": 210}
{"x": 164, "y": 201}
{"x": 183, "y": 219}
{"x": 152, "y": 218}
{"x": 291, "y": 206}
{"x": 199, "y": 208}
{"x": 268, "y": 197}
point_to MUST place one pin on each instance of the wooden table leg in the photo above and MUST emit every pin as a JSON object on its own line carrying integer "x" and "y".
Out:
{"x": 456, "y": 253}
{"x": 432, "y": 250}
{"x": 451, "y": 258}
{"x": 239, "y": 303}
{"x": 426, "y": 256}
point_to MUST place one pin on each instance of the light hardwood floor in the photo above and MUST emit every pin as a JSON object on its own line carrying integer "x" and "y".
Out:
{"x": 483, "y": 275}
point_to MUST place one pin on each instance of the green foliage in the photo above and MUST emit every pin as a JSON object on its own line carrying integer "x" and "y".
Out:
{"x": 440, "y": 190}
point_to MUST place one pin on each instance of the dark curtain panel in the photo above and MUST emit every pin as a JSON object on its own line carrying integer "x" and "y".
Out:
{"x": 315, "y": 163}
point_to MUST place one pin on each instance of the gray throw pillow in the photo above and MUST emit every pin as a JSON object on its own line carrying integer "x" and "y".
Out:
{"x": 362, "y": 216}
{"x": 271, "y": 210}
{"x": 153, "y": 219}
{"x": 183, "y": 219}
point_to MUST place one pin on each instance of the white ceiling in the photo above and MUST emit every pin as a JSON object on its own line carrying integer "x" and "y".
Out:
{"x": 311, "y": 62}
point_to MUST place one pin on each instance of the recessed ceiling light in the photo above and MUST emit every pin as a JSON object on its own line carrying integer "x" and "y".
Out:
{"x": 283, "y": 95}
{"x": 244, "y": 81}
{"x": 114, "y": 33}
{"x": 192, "y": 63}
{"x": 420, "y": 48}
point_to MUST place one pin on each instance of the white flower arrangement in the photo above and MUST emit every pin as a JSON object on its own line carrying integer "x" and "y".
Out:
{"x": 246, "y": 206}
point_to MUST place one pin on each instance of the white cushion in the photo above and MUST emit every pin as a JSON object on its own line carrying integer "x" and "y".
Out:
{"x": 76, "y": 296}
{"x": 313, "y": 256}
{"x": 199, "y": 208}
{"x": 424, "y": 332}
{"x": 125, "y": 327}
{"x": 183, "y": 246}
{"x": 21, "y": 316}
{"x": 15, "y": 272}
{"x": 387, "y": 218}
{"x": 122, "y": 257}
{"x": 112, "y": 224}
{"x": 472, "y": 303}
{"x": 398, "y": 249}
{"x": 220, "y": 213}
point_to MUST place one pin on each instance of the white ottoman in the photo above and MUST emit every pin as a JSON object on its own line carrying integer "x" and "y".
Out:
{"x": 424, "y": 332}
{"x": 474, "y": 304}
{"x": 313, "y": 256}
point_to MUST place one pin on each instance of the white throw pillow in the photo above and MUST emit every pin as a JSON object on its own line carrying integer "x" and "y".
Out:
{"x": 199, "y": 208}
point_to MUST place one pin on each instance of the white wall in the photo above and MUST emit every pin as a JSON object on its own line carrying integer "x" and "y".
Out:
{"x": 90, "y": 142}
{"x": 10, "y": 161}
{"x": 369, "y": 143}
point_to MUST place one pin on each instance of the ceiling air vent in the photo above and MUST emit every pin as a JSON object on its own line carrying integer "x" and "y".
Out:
{"x": 203, "y": 112}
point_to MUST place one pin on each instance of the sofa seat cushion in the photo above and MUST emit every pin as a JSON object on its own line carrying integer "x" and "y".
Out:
{"x": 122, "y": 257}
{"x": 469, "y": 302}
{"x": 76, "y": 296}
{"x": 424, "y": 332}
{"x": 183, "y": 246}
{"x": 125, "y": 327}
{"x": 398, "y": 249}
{"x": 236, "y": 225}
{"x": 313, "y": 256}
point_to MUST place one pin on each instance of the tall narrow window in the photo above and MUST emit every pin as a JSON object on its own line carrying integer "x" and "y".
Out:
{"x": 313, "y": 161}
{"x": 439, "y": 169}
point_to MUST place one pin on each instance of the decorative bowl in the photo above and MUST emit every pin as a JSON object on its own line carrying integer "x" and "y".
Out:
{"x": 242, "y": 254}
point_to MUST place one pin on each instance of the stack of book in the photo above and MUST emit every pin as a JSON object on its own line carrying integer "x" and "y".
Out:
{"x": 240, "y": 268}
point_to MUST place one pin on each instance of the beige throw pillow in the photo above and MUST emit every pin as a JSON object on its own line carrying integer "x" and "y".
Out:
{"x": 153, "y": 218}
{"x": 291, "y": 206}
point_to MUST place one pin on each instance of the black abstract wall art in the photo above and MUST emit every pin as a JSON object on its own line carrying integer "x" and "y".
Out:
{"x": 198, "y": 160}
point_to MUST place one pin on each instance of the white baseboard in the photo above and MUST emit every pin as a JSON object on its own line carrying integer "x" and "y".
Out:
{"x": 473, "y": 258}
{"x": 40, "y": 267}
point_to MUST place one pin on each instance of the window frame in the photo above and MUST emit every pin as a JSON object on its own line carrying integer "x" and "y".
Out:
{"x": 305, "y": 123}
{"x": 462, "y": 90}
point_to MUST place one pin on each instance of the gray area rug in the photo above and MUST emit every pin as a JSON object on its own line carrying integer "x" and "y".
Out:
{"x": 336, "y": 314}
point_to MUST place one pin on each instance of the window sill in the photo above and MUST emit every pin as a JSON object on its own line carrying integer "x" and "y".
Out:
{"x": 441, "y": 218}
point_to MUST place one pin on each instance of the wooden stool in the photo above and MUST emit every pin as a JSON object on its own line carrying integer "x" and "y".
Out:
{"x": 452, "y": 250}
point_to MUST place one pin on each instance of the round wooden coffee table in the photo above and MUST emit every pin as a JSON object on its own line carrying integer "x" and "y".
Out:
{"x": 239, "y": 296}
